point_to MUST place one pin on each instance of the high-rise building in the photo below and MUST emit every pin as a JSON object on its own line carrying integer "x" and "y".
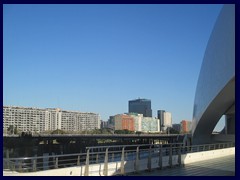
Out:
{"x": 111, "y": 123}
{"x": 160, "y": 116}
{"x": 165, "y": 119}
{"x": 39, "y": 120}
{"x": 140, "y": 106}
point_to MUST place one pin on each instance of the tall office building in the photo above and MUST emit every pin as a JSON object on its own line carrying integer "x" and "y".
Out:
{"x": 160, "y": 117}
{"x": 140, "y": 106}
{"x": 111, "y": 123}
{"x": 165, "y": 119}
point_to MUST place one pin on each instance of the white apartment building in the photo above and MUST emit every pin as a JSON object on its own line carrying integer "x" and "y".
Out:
{"x": 78, "y": 121}
{"x": 39, "y": 120}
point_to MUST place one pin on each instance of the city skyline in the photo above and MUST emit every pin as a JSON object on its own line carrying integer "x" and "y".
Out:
{"x": 95, "y": 58}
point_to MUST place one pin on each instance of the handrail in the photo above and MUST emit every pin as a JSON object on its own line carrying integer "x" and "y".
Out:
{"x": 103, "y": 135}
{"x": 32, "y": 164}
{"x": 135, "y": 145}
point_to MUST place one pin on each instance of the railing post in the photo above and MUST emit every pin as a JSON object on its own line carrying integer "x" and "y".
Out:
{"x": 170, "y": 155}
{"x": 97, "y": 158}
{"x": 126, "y": 155}
{"x": 86, "y": 171}
{"x": 13, "y": 167}
{"x": 20, "y": 166}
{"x": 34, "y": 165}
{"x": 113, "y": 157}
{"x": 56, "y": 163}
{"x": 160, "y": 157}
{"x": 184, "y": 149}
{"x": 78, "y": 161}
{"x": 105, "y": 169}
{"x": 122, "y": 162}
{"x": 179, "y": 156}
{"x": 198, "y": 148}
{"x": 137, "y": 160}
{"x": 8, "y": 161}
{"x": 149, "y": 165}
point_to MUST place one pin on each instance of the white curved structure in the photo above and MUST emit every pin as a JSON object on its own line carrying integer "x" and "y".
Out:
{"x": 215, "y": 92}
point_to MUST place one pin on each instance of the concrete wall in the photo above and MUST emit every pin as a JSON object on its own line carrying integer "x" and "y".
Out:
{"x": 206, "y": 155}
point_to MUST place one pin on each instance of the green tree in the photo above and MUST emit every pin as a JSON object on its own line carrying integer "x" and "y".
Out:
{"x": 11, "y": 129}
{"x": 58, "y": 131}
{"x": 15, "y": 130}
{"x": 173, "y": 131}
{"x": 124, "y": 131}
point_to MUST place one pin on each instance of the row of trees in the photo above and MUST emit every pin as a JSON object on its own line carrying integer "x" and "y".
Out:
{"x": 109, "y": 131}
{"x": 93, "y": 131}
{"x": 14, "y": 130}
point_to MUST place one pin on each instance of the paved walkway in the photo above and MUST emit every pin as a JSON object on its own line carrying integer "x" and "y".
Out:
{"x": 224, "y": 166}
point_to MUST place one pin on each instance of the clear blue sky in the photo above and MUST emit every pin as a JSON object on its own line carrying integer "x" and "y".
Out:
{"x": 94, "y": 58}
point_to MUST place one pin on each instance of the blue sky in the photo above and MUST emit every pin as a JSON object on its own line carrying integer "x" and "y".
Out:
{"x": 94, "y": 58}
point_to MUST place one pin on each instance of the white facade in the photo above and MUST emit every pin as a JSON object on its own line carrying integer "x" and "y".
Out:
{"x": 39, "y": 120}
{"x": 137, "y": 121}
{"x": 150, "y": 124}
{"x": 167, "y": 120}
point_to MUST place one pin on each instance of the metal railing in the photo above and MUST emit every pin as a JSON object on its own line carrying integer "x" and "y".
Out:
{"x": 108, "y": 154}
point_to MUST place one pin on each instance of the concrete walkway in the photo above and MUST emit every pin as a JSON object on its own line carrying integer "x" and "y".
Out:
{"x": 224, "y": 166}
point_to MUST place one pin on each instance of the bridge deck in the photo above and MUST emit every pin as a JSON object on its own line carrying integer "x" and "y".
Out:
{"x": 224, "y": 166}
